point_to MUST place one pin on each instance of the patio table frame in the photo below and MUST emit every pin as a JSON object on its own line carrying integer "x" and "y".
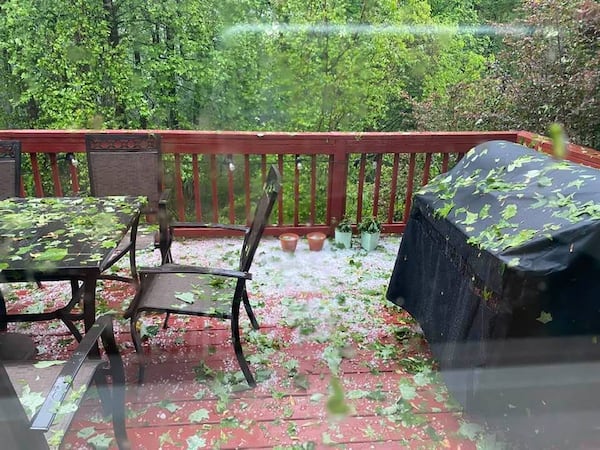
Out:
{"x": 90, "y": 229}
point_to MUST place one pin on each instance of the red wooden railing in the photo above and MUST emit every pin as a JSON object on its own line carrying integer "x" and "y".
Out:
{"x": 325, "y": 175}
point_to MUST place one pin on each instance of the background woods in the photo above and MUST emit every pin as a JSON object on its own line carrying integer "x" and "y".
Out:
{"x": 370, "y": 65}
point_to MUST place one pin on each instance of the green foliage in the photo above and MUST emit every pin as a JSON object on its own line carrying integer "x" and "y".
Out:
{"x": 548, "y": 73}
{"x": 243, "y": 65}
{"x": 370, "y": 225}
{"x": 344, "y": 225}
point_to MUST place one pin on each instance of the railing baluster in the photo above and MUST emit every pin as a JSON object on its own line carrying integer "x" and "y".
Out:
{"x": 196, "y": 182}
{"x": 179, "y": 188}
{"x": 213, "y": 184}
{"x": 445, "y": 161}
{"x": 340, "y": 194}
{"x": 58, "y": 192}
{"x": 376, "y": 187}
{"x": 361, "y": 186}
{"x": 37, "y": 177}
{"x": 409, "y": 187}
{"x": 247, "y": 188}
{"x": 74, "y": 178}
{"x": 263, "y": 167}
{"x": 313, "y": 188}
{"x": 280, "y": 201}
{"x": 231, "y": 195}
{"x": 426, "y": 170}
{"x": 393, "y": 189}
{"x": 296, "y": 192}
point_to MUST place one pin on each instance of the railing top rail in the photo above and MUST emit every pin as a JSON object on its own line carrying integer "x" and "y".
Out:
{"x": 186, "y": 141}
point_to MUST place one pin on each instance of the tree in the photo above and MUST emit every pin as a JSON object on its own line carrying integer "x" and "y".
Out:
{"x": 550, "y": 73}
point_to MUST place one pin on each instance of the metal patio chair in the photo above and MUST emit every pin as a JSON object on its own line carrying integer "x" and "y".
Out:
{"x": 60, "y": 385}
{"x": 10, "y": 169}
{"x": 10, "y": 180}
{"x": 207, "y": 291}
{"x": 128, "y": 164}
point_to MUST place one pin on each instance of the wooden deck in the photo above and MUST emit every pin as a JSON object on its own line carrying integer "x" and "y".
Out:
{"x": 337, "y": 365}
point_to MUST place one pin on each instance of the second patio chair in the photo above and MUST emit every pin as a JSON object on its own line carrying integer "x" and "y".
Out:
{"x": 207, "y": 291}
{"x": 10, "y": 180}
{"x": 128, "y": 164}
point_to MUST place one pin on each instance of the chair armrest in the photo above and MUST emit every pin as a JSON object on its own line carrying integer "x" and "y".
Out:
{"x": 179, "y": 268}
{"x": 164, "y": 236}
{"x": 165, "y": 195}
{"x": 102, "y": 328}
{"x": 219, "y": 226}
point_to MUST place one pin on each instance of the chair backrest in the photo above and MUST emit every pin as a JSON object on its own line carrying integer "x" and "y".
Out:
{"x": 10, "y": 168}
{"x": 262, "y": 212}
{"x": 125, "y": 164}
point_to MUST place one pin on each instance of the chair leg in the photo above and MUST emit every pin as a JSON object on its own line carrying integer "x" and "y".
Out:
{"x": 249, "y": 310}
{"x": 3, "y": 321}
{"x": 137, "y": 344}
{"x": 135, "y": 335}
{"x": 166, "y": 322}
{"x": 72, "y": 328}
{"x": 237, "y": 345}
{"x": 116, "y": 394}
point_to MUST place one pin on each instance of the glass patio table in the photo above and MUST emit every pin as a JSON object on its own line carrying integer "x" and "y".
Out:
{"x": 64, "y": 239}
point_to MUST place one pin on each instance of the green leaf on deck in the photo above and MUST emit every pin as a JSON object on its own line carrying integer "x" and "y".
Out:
{"x": 51, "y": 254}
{"x": 471, "y": 218}
{"x": 198, "y": 415}
{"x": 165, "y": 438}
{"x": 485, "y": 211}
{"x": 86, "y": 432}
{"x": 45, "y": 364}
{"x": 514, "y": 262}
{"x": 186, "y": 297}
{"x": 100, "y": 441}
{"x": 316, "y": 397}
{"x": 407, "y": 391}
{"x": 509, "y": 212}
{"x": 31, "y": 401}
{"x": 470, "y": 430}
{"x": 544, "y": 317}
{"x": 169, "y": 405}
{"x": 195, "y": 442}
{"x": 336, "y": 403}
{"x": 301, "y": 381}
{"x": 445, "y": 210}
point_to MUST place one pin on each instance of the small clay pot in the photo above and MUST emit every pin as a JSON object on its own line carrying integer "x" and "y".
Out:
{"x": 315, "y": 241}
{"x": 288, "y": 242}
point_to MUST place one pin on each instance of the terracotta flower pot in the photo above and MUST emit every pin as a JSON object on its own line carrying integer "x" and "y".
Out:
{"x": 288, "y": 242}
{"x": 315, "y": 241}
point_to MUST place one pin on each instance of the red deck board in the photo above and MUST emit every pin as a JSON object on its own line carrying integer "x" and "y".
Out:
{"x": 175, "y": 404}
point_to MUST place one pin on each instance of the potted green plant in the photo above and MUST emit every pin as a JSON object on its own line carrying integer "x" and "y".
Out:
{"x": 370, "y": 230}
{"x": 343, "y": 233}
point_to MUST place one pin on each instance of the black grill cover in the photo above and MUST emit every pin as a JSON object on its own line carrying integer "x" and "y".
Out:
{"x": 505, "y": 244}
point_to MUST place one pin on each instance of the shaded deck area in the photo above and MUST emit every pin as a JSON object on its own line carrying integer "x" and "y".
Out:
{"x": 337, "y": 365}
